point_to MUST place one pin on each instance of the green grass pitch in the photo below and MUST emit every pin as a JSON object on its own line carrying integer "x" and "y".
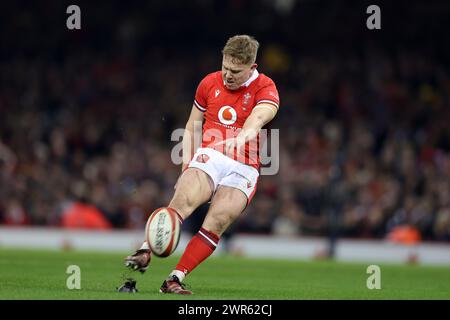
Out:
{"x": 42, "y": 275}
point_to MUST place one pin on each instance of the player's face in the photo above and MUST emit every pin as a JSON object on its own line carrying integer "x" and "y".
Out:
{"x": 235, "y": 74}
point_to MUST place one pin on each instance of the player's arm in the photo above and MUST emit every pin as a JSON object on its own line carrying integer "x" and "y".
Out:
{"x": 261, "y": 115}
{"x": 193, "y": 129}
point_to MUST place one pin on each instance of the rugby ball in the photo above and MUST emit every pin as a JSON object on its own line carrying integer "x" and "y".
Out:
{"x": 162, "y": 231}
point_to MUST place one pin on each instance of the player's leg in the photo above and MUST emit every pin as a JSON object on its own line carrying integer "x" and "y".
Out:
{"x": 226, "y": 205}
{"x": 194, "y": 187}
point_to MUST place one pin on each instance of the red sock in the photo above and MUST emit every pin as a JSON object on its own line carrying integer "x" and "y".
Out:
{"x": 201, "y": 246}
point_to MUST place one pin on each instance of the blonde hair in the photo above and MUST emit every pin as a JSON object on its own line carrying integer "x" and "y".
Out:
{"x": 242, "y": 48}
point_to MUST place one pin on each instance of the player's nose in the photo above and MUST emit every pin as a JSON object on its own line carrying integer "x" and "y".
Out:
{"x": 228, "y": 74}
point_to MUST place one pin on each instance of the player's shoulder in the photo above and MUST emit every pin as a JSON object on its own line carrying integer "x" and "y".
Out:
{"x": 265, "y": 81}
{"x": 210, "y": 79}
{"x": 266, "y": 90}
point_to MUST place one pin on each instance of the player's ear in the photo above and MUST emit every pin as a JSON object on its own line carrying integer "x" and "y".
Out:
{"x": 254, "y": 66}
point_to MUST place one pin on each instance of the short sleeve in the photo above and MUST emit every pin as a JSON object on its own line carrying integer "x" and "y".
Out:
{"x": 268, "y": 94}
{"x": 201, "y": 95}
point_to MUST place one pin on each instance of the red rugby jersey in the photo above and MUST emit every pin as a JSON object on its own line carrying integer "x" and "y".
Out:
{"x": 226, "y": 111}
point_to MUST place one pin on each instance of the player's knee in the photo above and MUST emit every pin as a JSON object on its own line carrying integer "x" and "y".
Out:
{"x": 218, "y": 224}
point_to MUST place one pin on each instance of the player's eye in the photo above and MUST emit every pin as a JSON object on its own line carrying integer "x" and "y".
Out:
{"x": 232, "y": 71}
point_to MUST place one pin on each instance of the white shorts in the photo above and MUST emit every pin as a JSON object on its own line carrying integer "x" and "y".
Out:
{"x": 226, "y": 171}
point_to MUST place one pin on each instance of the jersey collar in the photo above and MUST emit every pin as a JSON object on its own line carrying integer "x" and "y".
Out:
{"x": 252, "y": 78}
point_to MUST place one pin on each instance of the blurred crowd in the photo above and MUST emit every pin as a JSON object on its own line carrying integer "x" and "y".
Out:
{"x": 87, "y": 119}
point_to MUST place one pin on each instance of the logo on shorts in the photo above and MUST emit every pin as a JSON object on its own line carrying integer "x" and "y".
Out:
{"x": 249, "y": 185}
{"x": 227, "y": 115}
{"x": 203, "y": 158}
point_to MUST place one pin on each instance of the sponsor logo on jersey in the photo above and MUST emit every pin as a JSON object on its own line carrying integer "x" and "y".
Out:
{"x": 217, "y": 93}
{"x": 227, "y": 115}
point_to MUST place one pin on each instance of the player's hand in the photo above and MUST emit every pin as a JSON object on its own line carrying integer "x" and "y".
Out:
{"x": 232, "y": 144}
